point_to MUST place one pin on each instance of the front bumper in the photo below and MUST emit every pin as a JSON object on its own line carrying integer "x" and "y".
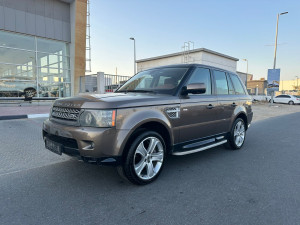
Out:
{"x": 94, "y": 145}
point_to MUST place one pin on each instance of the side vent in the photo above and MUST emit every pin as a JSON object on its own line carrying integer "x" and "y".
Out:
{"x": 173, "y": 113}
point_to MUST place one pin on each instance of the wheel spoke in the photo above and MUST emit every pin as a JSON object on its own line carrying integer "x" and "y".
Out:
{"x": 141, "y": 150}
{"x": 152, "y": 145}
{"x": 150, "y": 170}
{"x": 139, "y": 167}
{"x": 157, "y": 156}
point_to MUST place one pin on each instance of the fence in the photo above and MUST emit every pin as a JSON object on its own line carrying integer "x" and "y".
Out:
{"x": 101, "y": 83}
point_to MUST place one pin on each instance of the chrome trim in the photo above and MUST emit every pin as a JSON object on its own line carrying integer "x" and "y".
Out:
{"x": 200, "y": 149}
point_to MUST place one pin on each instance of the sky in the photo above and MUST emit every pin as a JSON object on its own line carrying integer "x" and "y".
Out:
{"x": 242, "y": 29}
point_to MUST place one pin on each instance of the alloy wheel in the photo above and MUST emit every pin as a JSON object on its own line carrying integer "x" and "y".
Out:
{"x": 148, "y": 158}
{"x": 239, "y": 134}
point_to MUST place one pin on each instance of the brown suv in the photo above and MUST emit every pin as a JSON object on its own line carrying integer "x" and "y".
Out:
{"x": 177, "y": 110}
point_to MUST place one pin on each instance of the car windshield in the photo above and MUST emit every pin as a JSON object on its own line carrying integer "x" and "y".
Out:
{"x": 297, "y": 96}
{"x": 162, "y": 81}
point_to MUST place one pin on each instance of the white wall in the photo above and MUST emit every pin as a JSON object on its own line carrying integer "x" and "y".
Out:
{"x": 196, "y": 57}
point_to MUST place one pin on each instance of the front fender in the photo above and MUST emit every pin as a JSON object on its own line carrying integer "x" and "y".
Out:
{"x": 128, "y": 120}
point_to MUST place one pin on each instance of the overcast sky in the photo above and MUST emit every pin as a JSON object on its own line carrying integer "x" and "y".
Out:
{"x": 242, "y": 29}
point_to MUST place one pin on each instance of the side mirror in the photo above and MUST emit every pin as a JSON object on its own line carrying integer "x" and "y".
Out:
{"x": 195, "y": 88}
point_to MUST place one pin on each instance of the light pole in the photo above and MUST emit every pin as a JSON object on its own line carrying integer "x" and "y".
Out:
{"x": 274, "y": 65}
{"x": 247, "y": 73}
{"x": 297, "y": 83}
{"x": 134, "y": 54}
{"x": 279, "y": 14}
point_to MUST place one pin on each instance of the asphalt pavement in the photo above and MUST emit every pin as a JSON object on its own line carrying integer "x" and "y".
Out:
{"x": 259, "y": 184}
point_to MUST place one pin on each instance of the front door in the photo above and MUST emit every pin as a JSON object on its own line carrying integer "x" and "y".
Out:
{"x": 199, "y": 112}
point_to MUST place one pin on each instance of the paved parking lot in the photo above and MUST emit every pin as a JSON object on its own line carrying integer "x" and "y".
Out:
{"x": 265, "y": 110}
{"x": 257, "y": 185}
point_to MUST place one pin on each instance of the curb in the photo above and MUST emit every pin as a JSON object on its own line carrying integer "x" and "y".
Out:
{"x": 29, "y": 116}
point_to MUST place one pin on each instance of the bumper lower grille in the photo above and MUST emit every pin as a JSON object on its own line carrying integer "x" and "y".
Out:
{"x": 62, "y": 113}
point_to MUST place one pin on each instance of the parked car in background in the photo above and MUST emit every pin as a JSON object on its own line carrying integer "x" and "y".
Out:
{"x": 176, "y": 110}
{"x": 287, "y": 99}
{"x": 17, "y": 87}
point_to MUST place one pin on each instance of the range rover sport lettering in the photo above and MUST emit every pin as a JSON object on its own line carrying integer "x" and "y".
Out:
{"x": 170, "y": 110}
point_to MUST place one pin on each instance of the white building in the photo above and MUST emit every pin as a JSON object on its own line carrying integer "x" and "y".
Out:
{"x": 200, "y": 55}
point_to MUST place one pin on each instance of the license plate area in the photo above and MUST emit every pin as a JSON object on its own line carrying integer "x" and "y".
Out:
{"x": 53, "y": 146}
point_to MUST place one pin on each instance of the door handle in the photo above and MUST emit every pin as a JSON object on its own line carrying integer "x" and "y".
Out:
{"x": 234, "y": 105}
{"x": 210, "y": 106}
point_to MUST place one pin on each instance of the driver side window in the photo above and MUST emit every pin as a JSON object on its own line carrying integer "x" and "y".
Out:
{"x": 201, "y": 75}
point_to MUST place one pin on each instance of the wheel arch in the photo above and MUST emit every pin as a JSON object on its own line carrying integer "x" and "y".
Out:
{"x": 243, "y": 116}
{"x": 152, "y": 125}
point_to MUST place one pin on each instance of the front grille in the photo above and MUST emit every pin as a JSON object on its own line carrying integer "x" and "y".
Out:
{"x": 65, "y": 113}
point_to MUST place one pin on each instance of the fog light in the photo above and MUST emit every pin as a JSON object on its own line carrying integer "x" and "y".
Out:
{"x": 89, "y": 145}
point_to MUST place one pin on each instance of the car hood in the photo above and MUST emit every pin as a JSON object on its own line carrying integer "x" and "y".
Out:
{"x": 116, "y": 100}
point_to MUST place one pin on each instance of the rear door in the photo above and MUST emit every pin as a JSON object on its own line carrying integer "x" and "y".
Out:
{"x": 199, "y": 112}
{"x": 227, "y": 99}
{"x": 286, "y": 99}
{"x": 278, "y": 99}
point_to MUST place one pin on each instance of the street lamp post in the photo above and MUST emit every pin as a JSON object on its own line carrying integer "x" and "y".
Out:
{"x": 279, "y": 14}
{"x": 297, "y": 83}
{"x": 134, "y": 63}
{"x": 247, "y": 73}
{"x": 275, "y": 51}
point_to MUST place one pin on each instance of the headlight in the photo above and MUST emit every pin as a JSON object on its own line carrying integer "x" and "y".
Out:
{"x": 98, "y": 118}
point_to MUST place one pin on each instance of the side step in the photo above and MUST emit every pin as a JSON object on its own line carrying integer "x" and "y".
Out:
{"x": 200, "y": 149}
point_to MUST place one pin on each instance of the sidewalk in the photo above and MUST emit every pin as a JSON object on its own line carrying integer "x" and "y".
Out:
{"x": 21, "y": 110}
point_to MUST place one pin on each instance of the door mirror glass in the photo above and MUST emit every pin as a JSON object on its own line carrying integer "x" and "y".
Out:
{"x": 194, "y": 88}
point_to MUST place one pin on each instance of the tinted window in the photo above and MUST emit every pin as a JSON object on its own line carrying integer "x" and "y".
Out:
{"x": 279, "y": 96}
{"x": 221, "y": 82}
{"x": 237, "y": 85}
{"x": 230, "y": 86}
{"x": 201, "y": 75}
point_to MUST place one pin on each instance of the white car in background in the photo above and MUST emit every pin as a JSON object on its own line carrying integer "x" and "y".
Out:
{"x": 287, "y": 99}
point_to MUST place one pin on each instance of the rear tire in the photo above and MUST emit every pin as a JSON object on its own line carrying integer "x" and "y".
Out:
{"x": 30, "y": 92}
{"x": 145, "y": 158}
{"x": 237, "y": 135}
{"x": 291, "y": 103}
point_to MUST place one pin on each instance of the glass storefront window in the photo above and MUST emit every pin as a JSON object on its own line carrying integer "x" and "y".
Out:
{"x": 12, "y": 40}
{"x": 45, "y": 69}
{"x": 51, "y": 46}
{"x": 14, "y": 56}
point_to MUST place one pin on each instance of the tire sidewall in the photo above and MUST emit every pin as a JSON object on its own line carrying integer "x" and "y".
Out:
{"x": 128, "y": 166}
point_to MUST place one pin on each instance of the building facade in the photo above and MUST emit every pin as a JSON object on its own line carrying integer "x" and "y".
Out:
{"x": 200, "y": 55}
{"x": 42, "y": 47}
{"x": 257, "y": 86}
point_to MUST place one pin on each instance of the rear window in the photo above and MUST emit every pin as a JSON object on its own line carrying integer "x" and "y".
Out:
{"x": 239, "y": 90}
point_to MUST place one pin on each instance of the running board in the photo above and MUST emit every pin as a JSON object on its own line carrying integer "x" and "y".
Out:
{"x": 200, "y": 149}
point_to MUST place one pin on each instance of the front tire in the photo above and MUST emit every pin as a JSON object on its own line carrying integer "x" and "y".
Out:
{"x": 145, "y": 158}
{"x": 237, "y": 135}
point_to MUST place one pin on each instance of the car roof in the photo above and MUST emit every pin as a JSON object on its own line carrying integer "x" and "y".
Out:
{"x": 192, "y": 65}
